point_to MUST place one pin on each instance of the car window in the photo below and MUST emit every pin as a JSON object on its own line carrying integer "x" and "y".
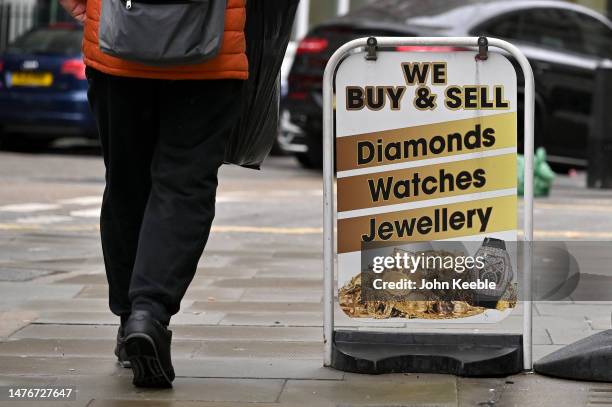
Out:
{"x": 48, "y": 41}
{"x": 596, "y": 36}
{"x": 506, "y": 27}
{"x": 551, "y": 28}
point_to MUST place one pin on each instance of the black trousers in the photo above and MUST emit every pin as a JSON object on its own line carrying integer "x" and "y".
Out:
{"x": 163, "y": 143}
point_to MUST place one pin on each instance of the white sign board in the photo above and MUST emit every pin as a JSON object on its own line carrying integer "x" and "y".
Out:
{"x": 425, "y": 152}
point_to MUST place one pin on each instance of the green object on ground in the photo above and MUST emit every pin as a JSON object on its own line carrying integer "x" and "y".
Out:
{"x": 543, "y": 175}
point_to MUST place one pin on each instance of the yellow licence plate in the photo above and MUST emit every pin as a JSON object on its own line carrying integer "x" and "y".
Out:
{"x": 42, "y": 79}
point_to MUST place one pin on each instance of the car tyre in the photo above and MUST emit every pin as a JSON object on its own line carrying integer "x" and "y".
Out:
{"x": 305, "y": 161}
{"x": 313, "y": 158}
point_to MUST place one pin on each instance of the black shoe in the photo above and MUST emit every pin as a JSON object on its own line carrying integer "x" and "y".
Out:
{"x": 120, "y": 351}
{"x": 147, "y": 343}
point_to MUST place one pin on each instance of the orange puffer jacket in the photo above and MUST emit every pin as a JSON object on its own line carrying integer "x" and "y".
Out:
{"x": 231, "y": 63}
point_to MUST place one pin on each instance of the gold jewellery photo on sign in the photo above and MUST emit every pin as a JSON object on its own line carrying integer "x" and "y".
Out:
{"x": 432, "y": 284}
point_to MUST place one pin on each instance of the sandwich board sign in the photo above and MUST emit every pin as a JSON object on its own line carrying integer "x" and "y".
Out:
{"x": 425, "y": 207}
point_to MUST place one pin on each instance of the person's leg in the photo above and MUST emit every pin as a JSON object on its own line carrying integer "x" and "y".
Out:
{"x": 195, "y": 120}
{"x": 125, "y": 110}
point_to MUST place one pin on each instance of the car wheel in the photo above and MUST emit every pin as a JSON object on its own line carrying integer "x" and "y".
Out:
{"x": 19, "y": 143}
{"x": 277, "y": 151}
{"x": 305, "y": 161}
{"x": 7, "y": 142}
{"x": 313, "y": 158}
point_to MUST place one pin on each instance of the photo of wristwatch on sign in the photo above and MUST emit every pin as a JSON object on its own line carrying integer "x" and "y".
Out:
{"x": 497, "y": 269}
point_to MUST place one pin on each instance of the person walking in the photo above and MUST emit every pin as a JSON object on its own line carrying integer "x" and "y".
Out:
{"x": 163, "y": 131}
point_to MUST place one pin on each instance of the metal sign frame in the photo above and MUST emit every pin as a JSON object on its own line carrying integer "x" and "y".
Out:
{"x": 328, "y": 172}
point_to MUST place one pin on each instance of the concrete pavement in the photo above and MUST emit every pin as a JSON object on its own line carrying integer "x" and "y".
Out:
{"x": 249, "y": 331}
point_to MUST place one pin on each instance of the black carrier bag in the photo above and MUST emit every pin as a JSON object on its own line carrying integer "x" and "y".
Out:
{"x": 268, "y": 30}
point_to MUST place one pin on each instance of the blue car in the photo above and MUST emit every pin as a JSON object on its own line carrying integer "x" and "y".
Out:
{"x": 43, "y": 88}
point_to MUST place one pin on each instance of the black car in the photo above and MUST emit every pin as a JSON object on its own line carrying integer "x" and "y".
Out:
{"x": 564, "y": 43}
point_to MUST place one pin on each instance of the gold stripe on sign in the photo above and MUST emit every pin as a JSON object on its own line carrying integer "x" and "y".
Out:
{"x": 450, "y": 179}
{"x": 432, "y": 223}
{"x": 424, "y": 142}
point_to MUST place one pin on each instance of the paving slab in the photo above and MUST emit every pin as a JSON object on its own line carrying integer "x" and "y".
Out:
{"x": 536, "y": 390}
{"x": 251, "y": 333}
{"x": 403, "y": 390}
{"x": 600, "y": 323}
{"x": 96, "y": 348}
{"x": 94, "y": 278}
{"x": 86, "y": 402}
{"x": 94, "y": 305}
{"x": 79, "y": 318}
{"x": 578, "y": 310}
{"x": 252, "y": 368}
{"x": 8, "y": 380}
{"x": 53, "y": 366}
{"x": 539, "y": 351}
{"x": 207, "y": 273}
{"x": 250, "y": 306}
{"x": 278, "y": 258}
{"x": 204, "y": 389}
{"x": 197, "y": 318}
{"x": 106, "y": 318}
{"x": 13, "y": 321}
{"x": 243, "y": 252}
{"x": 269, "y": 283}
{"x": 562, "y": 336}
{"x": 289, "y": 252}
{"x": 214, "y": 293}
{"x": 270, "y": 319}
{"x": 66, "y": 267}
{"x": 259, "y": 349}
{"x": 62, "y": 331}
{"x": 81, "y": 304}
{"x": 179, "y": 332}
{"x": 279, "y": 271}
{"x": 479, "y": 392}
{"x": 93, "y": 291}
{"x": 15, "y": 293}
{"x": 200, "y": 389}
{"x": 200, "y": 282}
{"x": 211, "y": 258}
{"x": 172, "y": 403}
{"x": 22, "y": 273}
{"x": 193, "y": 293}
{"x": 284, "y": 295}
